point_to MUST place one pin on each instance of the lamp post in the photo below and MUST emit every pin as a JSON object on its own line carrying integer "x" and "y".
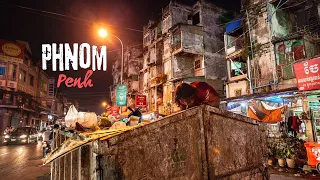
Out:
{"x": 103, "y": 33}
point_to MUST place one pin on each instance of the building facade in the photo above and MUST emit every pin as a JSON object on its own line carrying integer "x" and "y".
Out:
{"x": 131, "y": 66}
{"x": 24, "y": 88}
{"x": 262, "y": 48}
{"x": 179, "y": 48}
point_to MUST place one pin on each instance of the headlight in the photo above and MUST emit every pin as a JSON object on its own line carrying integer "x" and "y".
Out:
{"x": 6, "y": 136}
{"x": 23, "y": 136}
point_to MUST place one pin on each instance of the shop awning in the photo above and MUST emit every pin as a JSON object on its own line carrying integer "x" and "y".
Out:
{"x": 232, "y": 26}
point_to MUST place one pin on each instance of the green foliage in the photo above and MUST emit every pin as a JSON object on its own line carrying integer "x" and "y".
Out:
{"x": 286, "y": 147}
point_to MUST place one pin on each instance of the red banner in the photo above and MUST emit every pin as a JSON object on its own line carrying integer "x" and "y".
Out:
{"x": 307, "y": 74}
{"x": 115, "y": 110}
{"x": 141, "y": 101}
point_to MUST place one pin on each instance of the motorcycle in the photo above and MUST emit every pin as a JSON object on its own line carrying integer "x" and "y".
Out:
{"x": 46, "y": 148}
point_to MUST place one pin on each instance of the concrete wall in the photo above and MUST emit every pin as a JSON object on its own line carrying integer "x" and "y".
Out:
{"x": 192, "y": 39}
{"x": 199, "y": 143}
{"x": 182, "y": 66}
{"x": 240, "y": 85}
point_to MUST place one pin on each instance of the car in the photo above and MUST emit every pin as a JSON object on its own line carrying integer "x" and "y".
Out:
{"x": 21, "y": 135}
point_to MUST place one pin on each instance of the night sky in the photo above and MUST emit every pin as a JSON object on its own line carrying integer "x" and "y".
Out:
{"x": 38, "y": 28}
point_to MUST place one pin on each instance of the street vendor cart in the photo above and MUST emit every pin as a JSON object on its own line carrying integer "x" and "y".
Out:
{"x": 313, "y": 152}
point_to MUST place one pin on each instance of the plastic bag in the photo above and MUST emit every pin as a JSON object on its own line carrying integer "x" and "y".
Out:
{"x": 86, "y": 119}
{"x": 71, "y": 117}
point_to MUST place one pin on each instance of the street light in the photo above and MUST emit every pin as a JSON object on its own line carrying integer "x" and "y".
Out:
{"x": 104, "y": 104}
{"x": 103, "y": 33}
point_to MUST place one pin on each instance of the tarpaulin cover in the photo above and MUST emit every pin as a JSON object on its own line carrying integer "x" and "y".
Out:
{"x": 265, "y": 115}
{"x": 230, "y": 27}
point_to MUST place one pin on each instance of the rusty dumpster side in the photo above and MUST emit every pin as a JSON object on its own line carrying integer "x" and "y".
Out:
{"x": 199, "y": 143}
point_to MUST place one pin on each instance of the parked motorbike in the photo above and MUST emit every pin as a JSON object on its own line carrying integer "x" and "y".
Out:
{"x": 46, "y": 148}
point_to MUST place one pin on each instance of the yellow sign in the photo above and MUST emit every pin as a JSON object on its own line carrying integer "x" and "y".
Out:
{"x": 11, "y": 49}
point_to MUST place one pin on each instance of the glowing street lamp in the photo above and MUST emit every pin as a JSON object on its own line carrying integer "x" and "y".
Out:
{"x": 104, "y": 33}
{"x": 104, "y": 104}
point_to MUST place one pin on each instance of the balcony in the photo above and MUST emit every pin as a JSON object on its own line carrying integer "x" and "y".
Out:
{"x": 233, "y": 39}
{"x": 187, "y": 39}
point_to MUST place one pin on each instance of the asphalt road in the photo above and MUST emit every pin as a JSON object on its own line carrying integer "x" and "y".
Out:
{"x": 22, "y": 162}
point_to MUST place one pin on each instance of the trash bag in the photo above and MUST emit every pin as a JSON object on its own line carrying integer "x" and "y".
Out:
{"x": 71, "y": 117}
{"x": 118, "y": 125}
{"x": 86, "y": 119}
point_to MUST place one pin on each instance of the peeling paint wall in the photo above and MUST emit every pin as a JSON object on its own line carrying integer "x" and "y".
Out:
{"x": 166, "y": 24}
{"x": 215, "y": 66}
{"x": 145, "y": 81}
{"x": 167, "y": 69}
{"x": 192, "y": 39}
{"x": 167, "y": 48}
{"x": 182, "y": 66}
{"x": 266, "y": 68}
{"x": 282, "y": 23}
{"x": 260, "y": 31}
{"x": 179, "y": 13}
{"x": 239, "y": 88}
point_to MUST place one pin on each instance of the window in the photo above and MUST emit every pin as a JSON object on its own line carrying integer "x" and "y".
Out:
{"x": 237, "y": 67}
{"x": 135, "y": 77}
{"x": 14, "y": 72}
{"x": 2, "y": 72}
{"x": 23, "y": 76}
{"x": 196, "y": 19}
{"x": 237, "y": 92}
{"x": 197, "y": 64}
{"x": 31, "y": 80}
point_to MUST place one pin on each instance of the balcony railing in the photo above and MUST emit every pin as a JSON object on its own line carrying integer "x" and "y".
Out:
{"x": 234, "y": 45}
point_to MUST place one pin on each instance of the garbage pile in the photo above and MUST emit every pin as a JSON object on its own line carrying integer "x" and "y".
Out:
{"x": 82, "y": 128}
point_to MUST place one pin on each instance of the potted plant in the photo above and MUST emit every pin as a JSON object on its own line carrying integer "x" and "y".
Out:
{"x": 271, "y": 152}
{"x": 281, "y": 153}
{"x": 291, "y": 152}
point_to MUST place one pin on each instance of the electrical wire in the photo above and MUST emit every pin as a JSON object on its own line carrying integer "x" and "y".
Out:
{"x": 67, "y": 16}
{"x": 293, "y": 5}
{"x": 209, "y": 65}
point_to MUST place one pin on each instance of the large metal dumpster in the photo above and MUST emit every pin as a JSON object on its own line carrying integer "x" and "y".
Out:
{"x": 199, "y": 143}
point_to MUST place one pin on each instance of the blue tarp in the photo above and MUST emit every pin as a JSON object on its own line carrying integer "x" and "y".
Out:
{"x": 230, "y": 27}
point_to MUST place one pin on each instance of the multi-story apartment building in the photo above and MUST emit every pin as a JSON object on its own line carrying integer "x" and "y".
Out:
{"x": 24, "y": 88}
{"x": 183, "y": 46}
{"x": 131, "y": 66}
{"x": 279, "y": 37}
{"x": 262, "y": 50}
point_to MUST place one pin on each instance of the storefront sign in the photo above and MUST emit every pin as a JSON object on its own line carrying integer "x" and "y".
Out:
{"x": 12, "y": 84}
{"x": 121, "y": 95}
{"x": 308, "y": 74}
{"x": 115, "y": 110}
{"x": 11, "y": 51}
{"x": 141, "y": 101}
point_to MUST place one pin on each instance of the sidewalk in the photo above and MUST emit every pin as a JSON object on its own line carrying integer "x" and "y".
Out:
{"x": 277, "y": 173}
